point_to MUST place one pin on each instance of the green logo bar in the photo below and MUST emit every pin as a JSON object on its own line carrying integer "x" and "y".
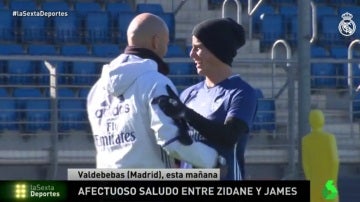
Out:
{"x": 330, "y": 191}
{"x": 33, "y": 191}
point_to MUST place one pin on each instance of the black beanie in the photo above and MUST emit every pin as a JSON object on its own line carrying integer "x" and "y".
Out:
{"x": 221, "y": 36}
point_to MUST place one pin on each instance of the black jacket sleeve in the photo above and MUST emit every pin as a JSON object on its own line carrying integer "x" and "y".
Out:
{"x": 225, "y": 134}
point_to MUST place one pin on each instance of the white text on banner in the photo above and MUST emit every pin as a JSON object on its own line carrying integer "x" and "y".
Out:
{"x": 143, "y": 174}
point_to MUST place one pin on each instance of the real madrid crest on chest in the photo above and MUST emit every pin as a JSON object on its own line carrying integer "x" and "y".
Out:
{"x": 347, "y": 26}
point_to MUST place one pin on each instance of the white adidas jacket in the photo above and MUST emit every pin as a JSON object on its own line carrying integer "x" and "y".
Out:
{"x": 128, "y": 130}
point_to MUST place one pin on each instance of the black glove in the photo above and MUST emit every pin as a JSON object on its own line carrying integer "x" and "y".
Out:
{"x": 183, "y": 136}
{"x": 171, "y": 105}
{"x": 165, "y": 105}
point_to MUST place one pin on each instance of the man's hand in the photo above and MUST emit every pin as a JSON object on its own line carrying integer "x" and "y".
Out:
{"x": 174, "y": 108}
{"x": 171, "y": 105}
{"x": 183, "y": 136}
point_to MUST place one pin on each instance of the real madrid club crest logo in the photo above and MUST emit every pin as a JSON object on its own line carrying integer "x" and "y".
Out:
{"x": 347, "y": 26}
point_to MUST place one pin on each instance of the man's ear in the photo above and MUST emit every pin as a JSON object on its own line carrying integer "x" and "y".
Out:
{"x": 155, "y": 42}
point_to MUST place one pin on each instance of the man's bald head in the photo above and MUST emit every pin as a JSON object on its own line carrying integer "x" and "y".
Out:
{"x": 148, "y": 31}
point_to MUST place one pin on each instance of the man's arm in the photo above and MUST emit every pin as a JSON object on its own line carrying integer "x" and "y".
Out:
{"x": 212, "y": 130}
{"x": 167, "y": 134}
